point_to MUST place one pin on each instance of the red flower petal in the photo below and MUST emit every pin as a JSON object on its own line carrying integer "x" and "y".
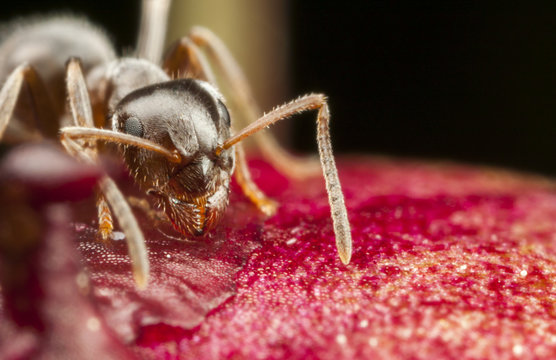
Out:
{"x": 188, "y": 279}
{"x": 45, "y": 312}
{"x": 449, "y": 261}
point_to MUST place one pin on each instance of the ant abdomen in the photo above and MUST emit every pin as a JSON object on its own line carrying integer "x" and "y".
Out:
{"x": 45, "y": 45}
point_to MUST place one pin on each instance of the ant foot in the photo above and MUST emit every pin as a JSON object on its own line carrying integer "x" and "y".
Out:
{"x": 267, "y": 206}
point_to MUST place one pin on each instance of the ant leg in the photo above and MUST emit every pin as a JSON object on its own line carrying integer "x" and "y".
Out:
{"x": 333, "y": 187}
{"x": 265, "y": 205}
{"x": 128, "y": 223}
{"x": 79, "y": 102}
{"x": 82, "y": 115}
{"x": 134, "y": 237}
{"x": 40, "y": 109}
{"x": 152, "y": 29}
{"x": 185, "y": 60}
{"x": 242, "y": 96}
{"x": 105, "y": 221}
{"x": 80, "y": 107}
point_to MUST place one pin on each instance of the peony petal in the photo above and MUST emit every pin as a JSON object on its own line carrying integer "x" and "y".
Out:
{"x": 45, "y": 311}
{"x": 448, "y": 262}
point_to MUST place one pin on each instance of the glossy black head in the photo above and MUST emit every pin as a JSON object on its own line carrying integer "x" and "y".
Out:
{"x": 189, "y": 116}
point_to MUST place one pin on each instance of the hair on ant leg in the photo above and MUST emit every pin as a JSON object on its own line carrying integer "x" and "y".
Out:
{"x": 170, "y": 123}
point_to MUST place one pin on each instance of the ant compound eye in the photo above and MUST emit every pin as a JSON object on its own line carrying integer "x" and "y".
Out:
{"x": 224, "y": 114}
{"x": 133, "y": 126}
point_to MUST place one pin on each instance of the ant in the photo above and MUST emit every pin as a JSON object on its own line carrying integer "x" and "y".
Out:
{"x": 174, "y": 132}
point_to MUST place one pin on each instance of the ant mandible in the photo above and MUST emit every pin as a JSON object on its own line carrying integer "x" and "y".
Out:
{"x": 175, "y": 134}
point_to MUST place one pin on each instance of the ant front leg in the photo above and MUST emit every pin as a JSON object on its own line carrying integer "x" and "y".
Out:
{"x": 82, "y": 115}
{"x": 335, "y": 195}
{"x": 240, "y": 96}
{"x": 243, "y": 176}
{"x": 81, "y": 112}
{"x": 105, "y": 222}
{"x": 39, "y": 105}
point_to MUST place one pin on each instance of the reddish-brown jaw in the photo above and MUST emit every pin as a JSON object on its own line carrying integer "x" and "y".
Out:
{"x": 192, "y": 219}
{"x": 198, "y": 215}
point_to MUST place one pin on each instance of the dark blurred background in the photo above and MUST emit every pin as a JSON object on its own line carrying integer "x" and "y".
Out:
{"x": 456, "y": 80}
{"x": 434, "y": 79}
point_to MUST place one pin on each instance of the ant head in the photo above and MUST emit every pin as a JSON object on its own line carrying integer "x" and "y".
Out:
{"x": 187, "y": 116}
